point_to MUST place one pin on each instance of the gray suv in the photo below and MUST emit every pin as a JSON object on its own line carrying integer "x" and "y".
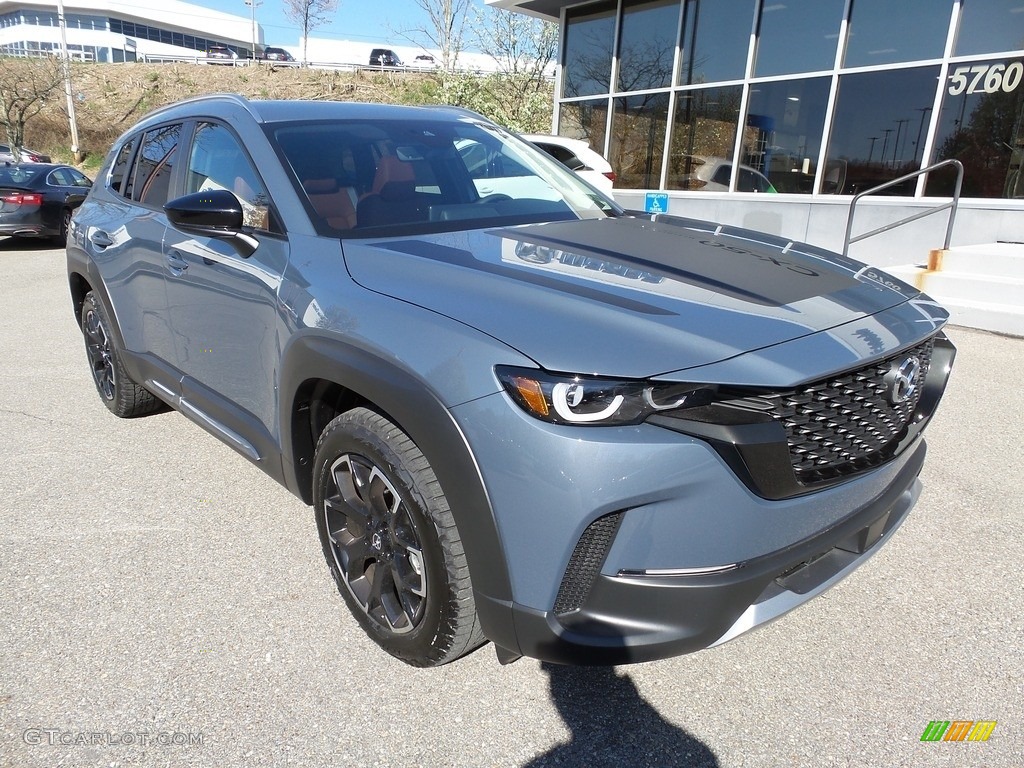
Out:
{"x": 520, "y": 413}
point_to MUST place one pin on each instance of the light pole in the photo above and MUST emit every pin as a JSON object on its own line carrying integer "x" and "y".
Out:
{"x": 896, "y": 144}
{"x": 885, "y": 144}
{"x": 65, "y": 56}
{"x": 252, "y": 9}
{"x": 871, "y": 151}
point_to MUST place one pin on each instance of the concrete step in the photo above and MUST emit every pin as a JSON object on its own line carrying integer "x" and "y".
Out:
{"x": 992, "y": 289}
{"x": 1005, "y": 259}
{"x": 1001, "y": 318}
{"x": 992, "y": 301}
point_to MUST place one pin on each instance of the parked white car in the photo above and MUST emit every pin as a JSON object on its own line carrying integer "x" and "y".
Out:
{"x": 577, "y": 155}
{"x": 712, "y": 174}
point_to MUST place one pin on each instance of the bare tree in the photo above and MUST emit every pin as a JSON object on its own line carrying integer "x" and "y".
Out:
{"x": 25, "y": 85}
{"x": 309, "y": 14}
{"x": 521, "y": 46}
{"x": 523, "y": 49}
{"x": 444, "y": 31}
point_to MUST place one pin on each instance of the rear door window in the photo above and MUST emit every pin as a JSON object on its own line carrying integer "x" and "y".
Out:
{"x": 119, "y": 169}
{"x": 154, "y": 166}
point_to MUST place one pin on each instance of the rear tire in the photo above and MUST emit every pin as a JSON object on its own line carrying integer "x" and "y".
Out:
{"x": 391, "y": 541}
{"x": 61, "y": 238}
{"x": 118, "y": 391}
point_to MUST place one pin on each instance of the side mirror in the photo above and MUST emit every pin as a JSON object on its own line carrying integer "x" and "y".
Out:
{"x": 214, "y": 213}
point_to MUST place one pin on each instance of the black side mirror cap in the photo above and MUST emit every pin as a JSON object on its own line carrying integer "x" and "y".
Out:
{"x": 214, "y": 213}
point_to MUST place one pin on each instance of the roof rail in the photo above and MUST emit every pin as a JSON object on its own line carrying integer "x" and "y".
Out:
{"x": 237, "y": 98}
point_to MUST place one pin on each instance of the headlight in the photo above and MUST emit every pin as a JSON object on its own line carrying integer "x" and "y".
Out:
{"x": 568, "y": 399}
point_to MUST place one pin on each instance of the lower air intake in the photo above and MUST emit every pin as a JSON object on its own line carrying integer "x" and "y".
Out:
{"x": 585, "y": 562}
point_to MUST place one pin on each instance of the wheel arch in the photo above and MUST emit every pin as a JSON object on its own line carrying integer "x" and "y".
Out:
{"x": 322, "y": 377}
{"x": 83, "y": 278}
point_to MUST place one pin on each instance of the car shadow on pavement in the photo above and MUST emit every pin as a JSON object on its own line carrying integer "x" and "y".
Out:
{"x": 28, "y": 244}
{"x": 613, "y": 725}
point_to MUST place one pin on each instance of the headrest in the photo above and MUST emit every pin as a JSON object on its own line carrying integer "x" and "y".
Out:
{"x": 392, "y": 170}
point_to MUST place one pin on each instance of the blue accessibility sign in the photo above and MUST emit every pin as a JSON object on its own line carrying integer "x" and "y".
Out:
{"x": 656, "y": 202}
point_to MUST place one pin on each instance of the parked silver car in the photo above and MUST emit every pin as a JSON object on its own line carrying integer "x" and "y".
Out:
{"x": 25, "y": 156}
{"x": 526, "y": 417}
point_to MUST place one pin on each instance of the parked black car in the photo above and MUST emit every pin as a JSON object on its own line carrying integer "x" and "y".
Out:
{"x": 276, "y": 54}
{"x": 37, "y": 199}
{"x": 384, "y": 57}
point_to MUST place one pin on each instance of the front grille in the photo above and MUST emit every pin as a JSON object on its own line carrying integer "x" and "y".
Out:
{"x": 585, "y": 562}
{"x": 847, "y": 423}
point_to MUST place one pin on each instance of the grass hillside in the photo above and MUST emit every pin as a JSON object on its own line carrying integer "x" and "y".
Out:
{"x": 110, "y": 98}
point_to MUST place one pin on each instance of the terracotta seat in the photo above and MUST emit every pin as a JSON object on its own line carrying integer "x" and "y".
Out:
{"x": 393, "y": 198}
{"x": 334, "y": 204}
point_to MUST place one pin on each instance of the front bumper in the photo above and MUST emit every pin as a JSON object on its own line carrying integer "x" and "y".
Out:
{"x": 632, "y": 617}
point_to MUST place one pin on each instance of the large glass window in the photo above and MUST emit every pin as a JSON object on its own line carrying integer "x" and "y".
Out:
{"x": 647, "y": 45}
{"x": 588, "y": 51}
{"x": 990, "y": 26}
{"x": 585, "y": 120}
{"x": 879, "y": 127}
{"x": 798, "y": 36}
{"x": 638, "y": 140}
{"x": 703, "y": 133}
{"x": 884, "y": 32}
{"x": 982, "y": 126}
{"x": 783, "y": 134}
{"x": 716, "y": 36}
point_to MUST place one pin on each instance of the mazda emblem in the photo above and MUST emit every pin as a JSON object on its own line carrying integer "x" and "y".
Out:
{"x": 904, "y": 380}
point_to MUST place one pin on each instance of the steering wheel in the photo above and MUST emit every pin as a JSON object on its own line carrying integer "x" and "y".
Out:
{"x": 497, "y": 197}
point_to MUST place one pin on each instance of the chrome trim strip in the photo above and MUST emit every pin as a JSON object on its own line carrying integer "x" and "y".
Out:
{"x": 658, "y": 572}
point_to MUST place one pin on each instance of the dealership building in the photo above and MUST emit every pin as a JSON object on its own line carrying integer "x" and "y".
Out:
{"x": 768, "y": 114}
{"x": 113, "y": 31}
{"x": 773, "y": 114}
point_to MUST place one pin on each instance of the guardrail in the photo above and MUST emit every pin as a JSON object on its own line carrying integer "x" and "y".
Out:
{"x": 952, "y": 205}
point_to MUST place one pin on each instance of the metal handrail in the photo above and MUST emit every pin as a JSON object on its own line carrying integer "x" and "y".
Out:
{"x": 952, "y": 205}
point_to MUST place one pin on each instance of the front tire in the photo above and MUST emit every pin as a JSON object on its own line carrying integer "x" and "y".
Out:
{"x": 118, "y": 391}
{"x": 391, "y": 541}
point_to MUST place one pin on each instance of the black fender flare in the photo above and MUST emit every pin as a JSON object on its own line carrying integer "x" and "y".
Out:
{"x": 416, "y": 409}
{"x": 82, "y": 268}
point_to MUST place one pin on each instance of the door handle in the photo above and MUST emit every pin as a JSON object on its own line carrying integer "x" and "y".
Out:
{"x": 176, "y": 263}
{"x": 100, "y": 239}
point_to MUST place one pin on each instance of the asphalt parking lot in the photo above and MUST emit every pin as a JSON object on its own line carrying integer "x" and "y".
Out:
{"x": 163, "y": 603}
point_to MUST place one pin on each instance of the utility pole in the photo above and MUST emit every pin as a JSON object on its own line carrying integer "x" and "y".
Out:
{"x": 252, "y": 9}
{"x": 65, "y": 62}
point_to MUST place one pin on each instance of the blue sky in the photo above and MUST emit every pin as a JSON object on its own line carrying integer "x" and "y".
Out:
{"x": 370, "y": 21}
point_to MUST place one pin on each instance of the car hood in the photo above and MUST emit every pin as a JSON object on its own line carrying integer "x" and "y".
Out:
{"x": 629, "y": 296}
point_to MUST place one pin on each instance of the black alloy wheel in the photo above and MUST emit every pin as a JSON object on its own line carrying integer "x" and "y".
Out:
{"x": 375, "y": 544}
{"x": 118, "y": 391}
{"x": 391, "y": 541}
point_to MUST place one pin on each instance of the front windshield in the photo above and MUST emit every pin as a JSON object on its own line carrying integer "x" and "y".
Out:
{"x": 372, "y": 178}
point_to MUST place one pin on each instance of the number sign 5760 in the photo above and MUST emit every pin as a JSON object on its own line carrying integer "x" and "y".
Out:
{"x": 989, "y": 78}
